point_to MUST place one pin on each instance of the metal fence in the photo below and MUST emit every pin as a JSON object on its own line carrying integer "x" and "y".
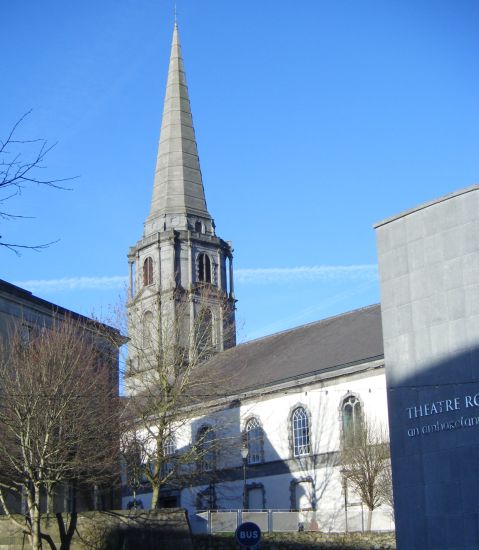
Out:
{"x": 269, "y": 521}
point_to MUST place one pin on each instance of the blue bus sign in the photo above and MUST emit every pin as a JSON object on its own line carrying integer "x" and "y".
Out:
{"x": 248, "y": 534}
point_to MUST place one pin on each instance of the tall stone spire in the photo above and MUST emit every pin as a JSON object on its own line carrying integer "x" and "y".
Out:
{"x": 178, "y": 200}
{"x": 179, "y": 264}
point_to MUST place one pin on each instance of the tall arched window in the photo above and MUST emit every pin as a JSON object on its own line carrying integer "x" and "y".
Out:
{"x": 204, "y": 268}
{"x": 148, "y": 272}
{"x": 301, "y": 438}
{"x": 254, "y": 441}
{"x": 351, "y": 416}
{"x": 205, "y": 438}
{"x": 169, "y": 449}
{"x": 147, "y": 329}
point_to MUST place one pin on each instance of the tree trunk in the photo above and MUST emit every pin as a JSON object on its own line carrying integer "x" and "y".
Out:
{"x": 155, "y": 497}
{"x": 370, "y": 519}
{"x": 50, "y": 503}
{"x": 34, "y": 513}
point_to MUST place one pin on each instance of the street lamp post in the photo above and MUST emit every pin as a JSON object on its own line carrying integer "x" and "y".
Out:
{"x": 244, "y": 456}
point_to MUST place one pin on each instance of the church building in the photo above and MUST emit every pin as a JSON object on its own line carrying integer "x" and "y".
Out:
{"x": 294, "y": 399}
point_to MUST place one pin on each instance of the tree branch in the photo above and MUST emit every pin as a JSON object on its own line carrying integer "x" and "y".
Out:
{"x": 20, "y": 164}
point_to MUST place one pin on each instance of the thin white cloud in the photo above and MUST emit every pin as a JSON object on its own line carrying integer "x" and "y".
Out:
{"x": 73, "y": 283}
{"x": 278, "y": 275}
{"x": 306, "y": 273}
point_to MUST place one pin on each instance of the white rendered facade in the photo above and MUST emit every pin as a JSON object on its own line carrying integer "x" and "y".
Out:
{"x": 280, "y": 480}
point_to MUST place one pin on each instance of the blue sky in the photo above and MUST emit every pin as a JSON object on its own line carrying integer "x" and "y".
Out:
{"x": 314, "y": 120}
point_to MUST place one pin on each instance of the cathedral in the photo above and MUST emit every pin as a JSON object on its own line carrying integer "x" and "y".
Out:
{"x": 294, "y": 399}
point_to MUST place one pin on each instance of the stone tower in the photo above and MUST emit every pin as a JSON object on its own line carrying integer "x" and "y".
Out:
{"x": 179, "y": 263}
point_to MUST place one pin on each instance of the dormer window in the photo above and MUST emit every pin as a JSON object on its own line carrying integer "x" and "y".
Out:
{"x": 148, "y": 272}
{"x": 204, "y": 268}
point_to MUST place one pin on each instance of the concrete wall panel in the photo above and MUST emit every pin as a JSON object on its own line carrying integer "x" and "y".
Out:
{"x": 429, "y": 270}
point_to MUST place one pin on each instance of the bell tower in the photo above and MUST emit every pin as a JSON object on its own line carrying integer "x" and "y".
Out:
{"x": 180, "y": 267}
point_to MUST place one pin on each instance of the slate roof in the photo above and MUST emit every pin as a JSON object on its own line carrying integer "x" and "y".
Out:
{"x": 323, "y": 346}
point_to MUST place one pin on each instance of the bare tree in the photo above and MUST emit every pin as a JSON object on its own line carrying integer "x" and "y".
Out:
{"x": 170, "y": 387}
{"x": 58, "y": 418}
{"x": 363, "y": 461}
{"x": 386, "y": 487}
{"x": 21, "y": 163}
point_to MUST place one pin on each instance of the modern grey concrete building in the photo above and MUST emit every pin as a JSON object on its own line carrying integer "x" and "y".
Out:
{"x": 429, "y": 269}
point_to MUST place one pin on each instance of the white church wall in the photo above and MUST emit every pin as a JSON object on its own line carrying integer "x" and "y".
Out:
{"x": 311, "y": 482}
{"x": 329, "y": 513}
{"x": 323, "y": 403}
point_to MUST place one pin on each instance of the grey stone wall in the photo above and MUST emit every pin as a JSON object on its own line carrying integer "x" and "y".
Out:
{"x": 429, "y": 271}
{"x": 129, "y": 530}
{"x": 306, "y": 541}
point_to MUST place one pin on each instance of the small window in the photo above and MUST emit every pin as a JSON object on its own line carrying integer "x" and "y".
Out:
{"x": 255, "y": 496}
{"x": 303, "y": 494}
{"x": 199, "y": 227}
{"x": 204, "y": 268}
{"x": 301, "y": 439}
{"x": 254, "y": 441}
{"x": 148, "y": 272}
{"x": 351, "y": 415}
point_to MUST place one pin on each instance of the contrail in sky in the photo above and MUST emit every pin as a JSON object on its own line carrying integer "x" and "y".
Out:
{"x": 73, "y": 283}
{"x": 306, "y": 273}
{"x": 242, "y": 276}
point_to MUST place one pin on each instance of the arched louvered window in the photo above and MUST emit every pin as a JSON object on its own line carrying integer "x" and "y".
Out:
{"x": 352, "y": 419}
{"x": 148, "y": 272}
{"x": 204, "y": 268}
{"x": 254, "y": 441}
{"x": 301, "y": 435}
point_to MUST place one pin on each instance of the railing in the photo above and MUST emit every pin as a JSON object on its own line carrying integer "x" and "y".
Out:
{"x": 269, "y": 521}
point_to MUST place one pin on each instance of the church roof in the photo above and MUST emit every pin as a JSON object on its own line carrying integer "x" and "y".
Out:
{"x": 178, "y": 185}
{"x": 329, "y": 345}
